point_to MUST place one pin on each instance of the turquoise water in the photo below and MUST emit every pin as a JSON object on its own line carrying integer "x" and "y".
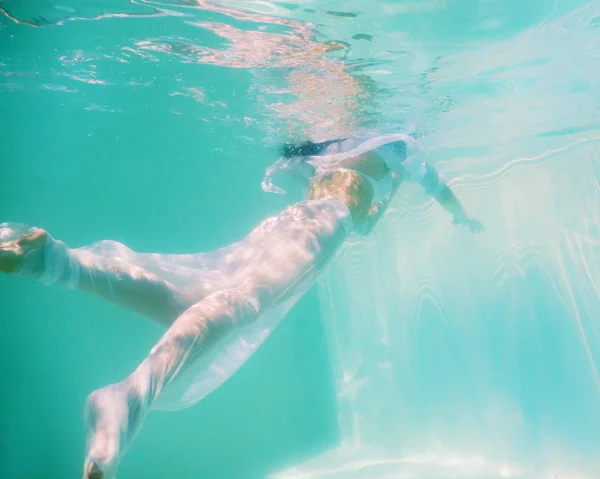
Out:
{"x": 424, "y": 351}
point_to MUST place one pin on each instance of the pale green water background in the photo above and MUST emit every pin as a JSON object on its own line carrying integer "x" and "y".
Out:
{"x": 425, "y": 352}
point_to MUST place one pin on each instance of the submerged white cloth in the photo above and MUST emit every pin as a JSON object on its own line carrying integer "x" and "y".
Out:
{"x": 265, "y": 273}
{"x": 410, "y": 165}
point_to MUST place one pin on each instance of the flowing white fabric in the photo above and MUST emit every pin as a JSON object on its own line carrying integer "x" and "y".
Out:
{"x": 412, "y": 164}
{"x": 254, "y": 282}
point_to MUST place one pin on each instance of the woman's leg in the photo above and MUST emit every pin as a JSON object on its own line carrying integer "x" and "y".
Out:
{"x": 33, "y": 252}
{"x": 276, "y": 264}
{"x": 114, "y": 414}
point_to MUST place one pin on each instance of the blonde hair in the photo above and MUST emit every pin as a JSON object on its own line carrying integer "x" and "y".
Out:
{"x": 347, "y": 186}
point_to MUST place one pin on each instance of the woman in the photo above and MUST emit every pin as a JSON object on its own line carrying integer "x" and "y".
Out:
{"x": 218, "y": 306}
{"x": 385, "y": 161}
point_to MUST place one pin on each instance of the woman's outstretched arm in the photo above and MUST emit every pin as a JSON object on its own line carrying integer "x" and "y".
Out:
{"x": 448, "y": 200}
{"x": 435, "y": 186}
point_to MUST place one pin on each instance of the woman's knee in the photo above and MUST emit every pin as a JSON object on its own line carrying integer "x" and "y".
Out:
{"x": 226, "y": 308}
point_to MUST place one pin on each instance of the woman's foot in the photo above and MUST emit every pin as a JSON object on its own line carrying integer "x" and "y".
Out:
{"x": 114, "y": 415}
{"x": 15, "y": 246}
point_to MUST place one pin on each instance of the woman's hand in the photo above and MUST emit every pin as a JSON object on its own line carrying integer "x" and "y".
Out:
{"x": 474, "y": 225}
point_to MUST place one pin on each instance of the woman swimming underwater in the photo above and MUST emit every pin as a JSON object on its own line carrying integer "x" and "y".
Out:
{"x": 218, "y": 307}
{"x": 385, "y": 161}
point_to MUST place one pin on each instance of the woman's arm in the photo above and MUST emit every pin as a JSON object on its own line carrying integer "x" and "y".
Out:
{"x": 435, "y": 186}
{"x": 448, "y": 200}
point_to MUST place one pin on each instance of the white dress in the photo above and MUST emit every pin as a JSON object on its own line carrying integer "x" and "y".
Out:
{"x": 410, "y": 164}
{"x": 273, "y": 267}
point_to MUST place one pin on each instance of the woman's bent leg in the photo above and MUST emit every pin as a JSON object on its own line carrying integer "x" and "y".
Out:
{"x": 35, "y": 253}
{"x": 114, "y": 414}
{"x": 275, "y": 265}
